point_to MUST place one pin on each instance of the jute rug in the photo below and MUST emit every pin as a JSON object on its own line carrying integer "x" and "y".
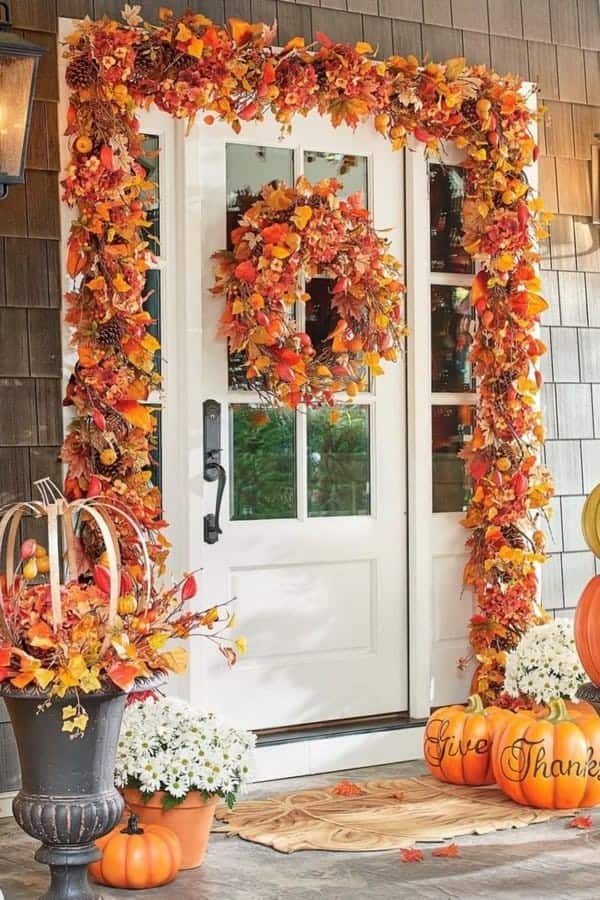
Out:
{"x": 376, "y": 815}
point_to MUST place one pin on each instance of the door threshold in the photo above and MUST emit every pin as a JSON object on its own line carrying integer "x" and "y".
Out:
{"x": 314, "y": 751}
{"x": 269, "y": 737}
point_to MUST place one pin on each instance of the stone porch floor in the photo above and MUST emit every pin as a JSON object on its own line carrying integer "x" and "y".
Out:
{"x": 549, "y": 860}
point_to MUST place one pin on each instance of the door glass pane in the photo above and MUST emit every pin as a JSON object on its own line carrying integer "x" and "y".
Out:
{"x": 339, "y": 461}
{"x": 451, "y": 336}
{"x": 151, "y": 198}
{"x": 248, "y": 169}
{"x": 452, "y": 428}
{"x": 446, "y": 196}
{"x": 152, "y": 306}
{"x": 351, "y": 171}
{"x": 263, "y": 463}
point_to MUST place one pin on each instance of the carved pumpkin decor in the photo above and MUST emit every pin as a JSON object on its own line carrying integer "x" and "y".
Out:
{"x": 458, "y": 742}
{"x": 549, "y": 763}
{"x": 136, "y": 858}
{"x": 587, "y": 629}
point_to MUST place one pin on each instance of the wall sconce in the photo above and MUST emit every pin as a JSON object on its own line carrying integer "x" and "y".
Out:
{"x": 596, "y": 179}
{"x": 19, "y": 63}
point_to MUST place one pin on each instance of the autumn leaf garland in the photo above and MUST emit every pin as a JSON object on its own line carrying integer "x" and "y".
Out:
{"x": 189, "y": 66}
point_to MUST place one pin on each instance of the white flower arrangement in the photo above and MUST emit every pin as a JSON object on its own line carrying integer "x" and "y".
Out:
{"x": 545, "y": 665}
{"x": 168, "y": 745}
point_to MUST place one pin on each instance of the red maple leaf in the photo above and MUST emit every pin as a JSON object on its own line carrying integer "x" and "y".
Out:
{"x": 449, "y": 851}
{"x": 582, "y": 822}
{"x": 411, "y": 855}
{"x": 347, "y": 789}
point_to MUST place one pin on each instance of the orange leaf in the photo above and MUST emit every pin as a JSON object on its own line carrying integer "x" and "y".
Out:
{"x": 5, "y": 654}
{"x": 450, "y": 851}
{"x": 136, "y": 414}
{"x": 23, "y": 679}
{"x": 347, "y": 789}
{"x": 582, "y": 822}
{"x": 411, "y": 855}
{"x": 240, "y": 30}
{"x": 123, "y": 674}
{"x": 41, "y": 635}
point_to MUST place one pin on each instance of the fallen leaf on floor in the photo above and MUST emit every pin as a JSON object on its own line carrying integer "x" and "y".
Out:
{"x": 399, "y": 795}
{"x": 347, "y": 789}
{"x": 581, "y": 822}
{"x": 411, "y": 855}
{"x": 450, "y": 851}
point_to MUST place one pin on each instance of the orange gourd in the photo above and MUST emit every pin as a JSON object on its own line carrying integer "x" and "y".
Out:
{"x": 458, "y": 742}
{"x": 136, "y": 858}
{"x": 549, "y": 763}
{"x": 587, "y": 629}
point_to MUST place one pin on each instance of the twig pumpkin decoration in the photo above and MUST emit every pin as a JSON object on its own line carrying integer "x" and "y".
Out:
{"x": 458, "y": 742}
{"x": 137, "y": 858}
{"x": 287, "y": 237}
{"x": 549, "y": 763}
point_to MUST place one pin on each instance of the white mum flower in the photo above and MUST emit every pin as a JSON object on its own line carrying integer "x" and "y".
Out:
{"x": 545, "y": 665}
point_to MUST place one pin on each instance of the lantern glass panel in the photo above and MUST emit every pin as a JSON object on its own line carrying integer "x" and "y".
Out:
{"x": 16, "y": 83}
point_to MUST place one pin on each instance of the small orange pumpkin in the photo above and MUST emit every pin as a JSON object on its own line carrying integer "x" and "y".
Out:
{"x": 587, "y": 630}
{"x": 458, "y": 742}
{"x": 136, "y": 858}
{"x": 549, "y": 763}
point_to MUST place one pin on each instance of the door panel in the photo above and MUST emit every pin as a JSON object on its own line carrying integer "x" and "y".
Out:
{"x": 313, "y": 518}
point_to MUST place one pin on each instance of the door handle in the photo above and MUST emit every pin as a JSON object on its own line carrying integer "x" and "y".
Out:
{"x": 213, "y": 470}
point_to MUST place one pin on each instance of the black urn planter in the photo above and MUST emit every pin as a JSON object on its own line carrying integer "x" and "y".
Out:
{"x": 68, "y": 798}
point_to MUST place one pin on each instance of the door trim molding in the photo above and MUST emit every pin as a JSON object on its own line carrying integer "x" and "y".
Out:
{"x": 337, "y": 753}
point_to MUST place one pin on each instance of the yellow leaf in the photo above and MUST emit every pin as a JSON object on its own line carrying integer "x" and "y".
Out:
{"x": 281, "y": 252}
{"x": 535, "y": 304}
{"x": 381, "y": 320}
{"x": 241, "y": 644}
{"x": 80, "y": 722}
{"x": 184, "y": 33}
{"x": 454, "y": 67}
{"x": 69, "y": 726}
{"x": 302, "y": 217}
{"x": 195, "y": 47}
{"x": 68, "y": 712}
{"x": 120, "y": 284}
{"x": 43, "y": 677}
{"x": 150, "y": 343}
{"x": 363, "y": 47}
{"x": 158, "y": 640}
{"x": 237, "y": 307}
{"x": 176, "y": 660}
{"x": 77, "y": 666}
{"x": 505, "y": 262}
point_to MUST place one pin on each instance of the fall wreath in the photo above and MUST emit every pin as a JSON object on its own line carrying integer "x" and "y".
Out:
{"x": 286, "y": 238}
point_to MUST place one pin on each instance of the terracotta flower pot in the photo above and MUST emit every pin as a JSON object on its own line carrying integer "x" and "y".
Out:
{"x": 191, "y": 821}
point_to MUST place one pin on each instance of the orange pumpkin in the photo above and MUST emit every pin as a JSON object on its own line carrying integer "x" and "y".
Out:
{"x": 458, "y": 742}
{"x": 135, "y": 858}
{"x": 549, "y": 763}
{"x": 587, "y": 630}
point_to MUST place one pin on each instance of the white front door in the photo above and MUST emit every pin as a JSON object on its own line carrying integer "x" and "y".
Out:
{"x": 313, "y": 543}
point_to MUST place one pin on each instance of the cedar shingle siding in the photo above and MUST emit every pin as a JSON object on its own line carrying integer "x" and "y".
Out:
{"x": 554, "y": 42}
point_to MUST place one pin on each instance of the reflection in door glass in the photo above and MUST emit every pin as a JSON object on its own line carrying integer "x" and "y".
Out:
{"x": 263, "y": 463}
{"x": 152, "y": 306}
{"x": 451, "y": 337}
{"x": 339, "y": 461}
{"x": 150, "y": 161}
{"x": 351, "y": 171}
{"x": 447, "y": 193}
{"x": 452, "y": 427}
{"x": 248, "y": 169}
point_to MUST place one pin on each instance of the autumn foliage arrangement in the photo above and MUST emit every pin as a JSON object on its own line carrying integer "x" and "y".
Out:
{"x": 188, "y": 66}
{"x": 101, "y": 629}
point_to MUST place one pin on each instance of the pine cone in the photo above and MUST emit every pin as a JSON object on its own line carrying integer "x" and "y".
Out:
{"x": 110, "y": 333}
{"x": 514, "y": 537}
{"x": 91, "y": 539}
{"x": 81, "y": 72}
{"x": 112, "y": 471}
{"x": 469, "y": 110}
{"x": 150, "y": 60}
{"x": 116, "y": 424}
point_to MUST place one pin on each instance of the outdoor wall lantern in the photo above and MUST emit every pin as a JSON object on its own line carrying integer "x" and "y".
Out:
{"x": 19, "y": 63}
